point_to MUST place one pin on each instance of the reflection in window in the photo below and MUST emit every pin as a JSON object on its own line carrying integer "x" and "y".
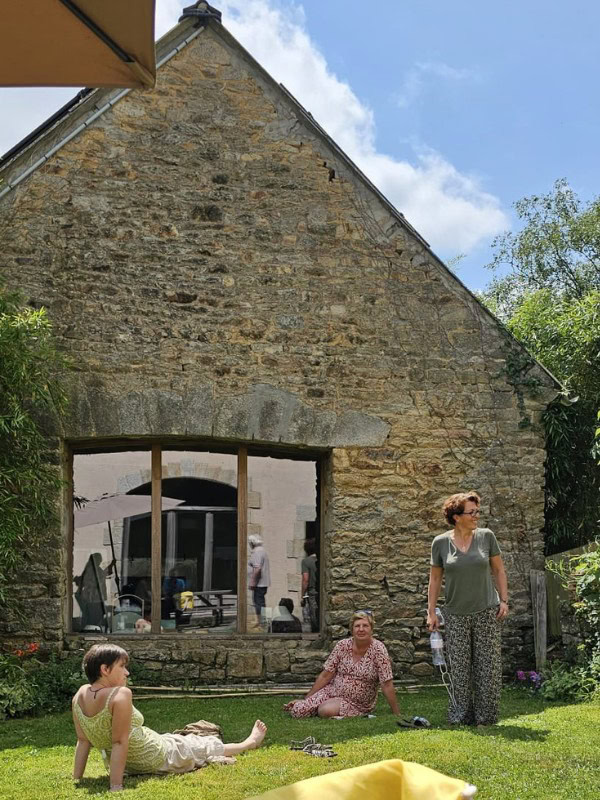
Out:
{"x": 199, "y": 566}
{"x": 282, "y": 525}
{"x": 112, "y": 566}
{"x": 101, "y": 600}
{"x": 112, "y": 547}
{"x": 198, "y": 543}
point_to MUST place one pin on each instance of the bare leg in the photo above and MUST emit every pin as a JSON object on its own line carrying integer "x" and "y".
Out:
{"x": 254, "y": 740}
{"x": 330, "y": 708}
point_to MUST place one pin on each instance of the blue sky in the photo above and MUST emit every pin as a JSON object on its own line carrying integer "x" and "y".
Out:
{"x": 455, "y": 110}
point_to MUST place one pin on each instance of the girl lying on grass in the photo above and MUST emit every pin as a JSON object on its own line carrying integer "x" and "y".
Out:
{"x": 106, "y": 718}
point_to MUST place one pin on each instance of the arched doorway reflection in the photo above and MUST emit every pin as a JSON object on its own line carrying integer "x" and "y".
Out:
{"x": 198, "y": 554}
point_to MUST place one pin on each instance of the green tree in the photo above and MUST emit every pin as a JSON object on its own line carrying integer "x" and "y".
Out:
{"x": 29, "y": 391}
{"x": 558, "y": 248}
{"x": 550, "y": 300}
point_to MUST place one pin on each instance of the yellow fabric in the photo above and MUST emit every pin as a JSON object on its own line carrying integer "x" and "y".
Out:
{"x": 186, "y": 600}
{"x": 385, "y": 780}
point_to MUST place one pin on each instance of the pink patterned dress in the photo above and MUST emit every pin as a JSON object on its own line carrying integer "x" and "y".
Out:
{"x": 355, "y": 682}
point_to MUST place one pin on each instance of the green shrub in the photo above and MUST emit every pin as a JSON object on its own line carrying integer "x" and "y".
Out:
{"x": 31, "y": 686}
{"x": 55, "y": 682}
{"x": 16, "y": 691}
{"x": 562, "y": 682}
{"x": 581, "y": 574}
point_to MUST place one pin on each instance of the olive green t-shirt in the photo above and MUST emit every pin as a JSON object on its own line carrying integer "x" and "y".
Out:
{"x": 468, "y": 577}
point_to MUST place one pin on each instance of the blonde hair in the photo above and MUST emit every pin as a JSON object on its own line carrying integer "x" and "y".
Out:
{"x": 362, "y": 615}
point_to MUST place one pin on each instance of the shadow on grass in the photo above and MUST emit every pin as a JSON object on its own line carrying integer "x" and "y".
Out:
{"x": 512, "y": 732}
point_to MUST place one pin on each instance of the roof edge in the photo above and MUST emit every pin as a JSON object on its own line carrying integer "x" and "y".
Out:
{"x": 174, "y": 40}
{"x": 332, "y": 144}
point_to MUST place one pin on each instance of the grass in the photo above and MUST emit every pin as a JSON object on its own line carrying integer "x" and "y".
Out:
{"x": 539, "y": 751}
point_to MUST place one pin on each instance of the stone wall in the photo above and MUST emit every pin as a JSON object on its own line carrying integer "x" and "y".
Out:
{"x": 217, "y": 269}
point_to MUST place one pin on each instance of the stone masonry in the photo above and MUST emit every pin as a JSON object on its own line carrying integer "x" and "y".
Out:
{"x": 217, "y": 269}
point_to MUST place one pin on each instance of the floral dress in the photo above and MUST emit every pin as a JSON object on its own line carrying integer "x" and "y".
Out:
{"x": 355, "y": 682}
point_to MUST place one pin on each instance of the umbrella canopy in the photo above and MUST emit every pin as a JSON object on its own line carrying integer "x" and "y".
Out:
{"x": 117, "y": 506}
{"x": 78, "y": 43}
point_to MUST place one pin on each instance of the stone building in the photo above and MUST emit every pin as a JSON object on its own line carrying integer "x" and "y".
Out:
{"x": 248, "y": 316}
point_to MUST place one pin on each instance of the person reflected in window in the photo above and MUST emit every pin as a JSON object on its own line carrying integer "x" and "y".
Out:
{"x": 310, "y": 584}
{"x": 91, "y": 594}
{"x": 172, "y": 588}
{"x": 259, "y": 573}
{"x": 285, "y": 621}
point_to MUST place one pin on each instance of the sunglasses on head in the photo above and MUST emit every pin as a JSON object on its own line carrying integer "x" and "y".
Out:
{"x": 366, "y": 611}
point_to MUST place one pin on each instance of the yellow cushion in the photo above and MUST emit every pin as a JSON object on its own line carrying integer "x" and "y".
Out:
{"x": 401, "y": 780}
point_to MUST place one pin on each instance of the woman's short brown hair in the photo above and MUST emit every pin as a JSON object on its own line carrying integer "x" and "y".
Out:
{"x": 363, "y": 614}
{"x": 455, "y": 504}
{"x": 100, "y": 654}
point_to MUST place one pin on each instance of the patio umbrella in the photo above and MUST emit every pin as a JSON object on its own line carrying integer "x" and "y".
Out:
{"x": 116, "y": 506}
{"x": 78, "y": 43}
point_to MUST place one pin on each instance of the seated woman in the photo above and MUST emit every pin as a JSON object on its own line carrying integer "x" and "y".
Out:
{"x": 347, "y": 687}
{"x": 105, "y": 718}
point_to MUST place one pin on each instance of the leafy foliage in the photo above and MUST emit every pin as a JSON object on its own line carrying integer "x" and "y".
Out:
{"x": 564, "y": 334}
{"x": 28, "y": 388}
{"x": 31, "y": 686}
{"x": 558, "y": 249}
{"x": 550, "y": 301}
{"x": 568, "y": 682}
{"x": 580, "y": 574}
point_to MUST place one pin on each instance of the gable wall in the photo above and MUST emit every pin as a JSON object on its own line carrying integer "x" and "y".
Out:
{"x": 210, "y": 276}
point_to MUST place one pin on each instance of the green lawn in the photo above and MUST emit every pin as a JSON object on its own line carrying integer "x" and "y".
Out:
{"x": 539, "y": 751}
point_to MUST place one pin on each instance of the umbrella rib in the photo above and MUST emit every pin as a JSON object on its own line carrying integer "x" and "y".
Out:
{"x": 96, "y": 30}
{"x": 138, "y": 69}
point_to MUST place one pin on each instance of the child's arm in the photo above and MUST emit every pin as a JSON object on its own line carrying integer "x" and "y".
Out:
{"x": 82, "y": 750}
{"x": 122, "y": 709}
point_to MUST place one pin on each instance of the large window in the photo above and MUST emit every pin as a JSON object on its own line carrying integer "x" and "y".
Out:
{"x": 195, "y": 541}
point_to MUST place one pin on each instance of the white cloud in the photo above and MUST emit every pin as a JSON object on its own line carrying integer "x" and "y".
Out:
{"x": 417, "y": 76}
{"x": 167, "y": 14}
{"x": 450, "y": 209}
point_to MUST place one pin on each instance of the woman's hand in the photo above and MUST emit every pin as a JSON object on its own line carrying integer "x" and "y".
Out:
{"x": 289, "y": 706}
{"x": 433, "y": 622}
{"x": 502, "y": 610}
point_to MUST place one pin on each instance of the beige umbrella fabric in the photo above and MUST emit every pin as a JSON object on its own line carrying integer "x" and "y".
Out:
{"x": 116, "y": 506}
{"x": 77, "y": 43}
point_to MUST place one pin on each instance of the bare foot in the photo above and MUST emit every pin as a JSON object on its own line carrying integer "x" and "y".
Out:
{"x": 288, "y": 706}
{"x": 257, "y": 734}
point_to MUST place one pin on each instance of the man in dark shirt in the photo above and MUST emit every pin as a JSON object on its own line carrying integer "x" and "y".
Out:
{"x": 310, "y": 583}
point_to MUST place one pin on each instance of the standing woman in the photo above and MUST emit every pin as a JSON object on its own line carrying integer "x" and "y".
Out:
{"x": 476, "y": 603}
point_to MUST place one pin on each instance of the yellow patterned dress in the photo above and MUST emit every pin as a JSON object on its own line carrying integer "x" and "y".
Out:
{"x": 150, "y": 752}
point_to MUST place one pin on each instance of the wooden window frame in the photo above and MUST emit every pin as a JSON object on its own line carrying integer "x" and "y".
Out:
{"x": 155, "y": 450}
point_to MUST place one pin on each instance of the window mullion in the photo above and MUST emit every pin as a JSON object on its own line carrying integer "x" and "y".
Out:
{"x": 70, "y": 534}
{"x": 242, "y": 543}
{"x": 156, "y": 528}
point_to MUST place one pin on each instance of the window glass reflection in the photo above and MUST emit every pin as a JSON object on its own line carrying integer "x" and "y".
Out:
{"x": 103, "y": 600}
{"x": 283, "y": 537}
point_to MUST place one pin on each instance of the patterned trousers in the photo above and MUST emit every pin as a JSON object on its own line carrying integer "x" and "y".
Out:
{"x": 473, "y": 657}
